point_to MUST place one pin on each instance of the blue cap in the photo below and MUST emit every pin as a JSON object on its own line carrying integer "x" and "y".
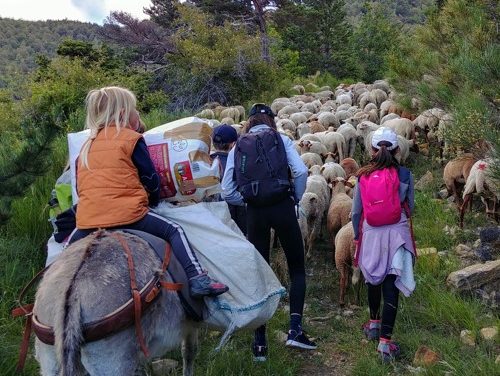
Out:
{"x": 224, "y": 134}
{"x": 261, "y": 108}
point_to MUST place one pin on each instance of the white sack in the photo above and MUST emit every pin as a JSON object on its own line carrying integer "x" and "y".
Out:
{"x": 254, "y": 290}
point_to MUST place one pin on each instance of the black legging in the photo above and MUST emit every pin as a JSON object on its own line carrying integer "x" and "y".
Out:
{"x": 282, "y": 218}
{"x": 391, "y": 297}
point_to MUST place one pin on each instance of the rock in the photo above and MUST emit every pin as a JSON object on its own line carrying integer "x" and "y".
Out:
{"x": 281, "y": 336}
{"x": 347, "y": 313}
{"x": 484, "y": 252}
{"x": 426, "y": 251}
{"x": 450, "y": 230}
{"x": 489, "y": 334}
{"x": 497, "y": 360}
{"x": 164, "y": 366}
{"x": 451, "y": 199}
{"x": 338, "y": 317}
{"x": 415, "y": 370}
{"x": 477, "y": 243}
{"x": 463, "y": 251}
{"x": 475, "y": 276}
{"x": 425, "y": 357}
{"x": 467, "y": 338}
{"x": 489, "y": 234}
{"x": 424, "y": 181}
{"x": 443, "y": 194}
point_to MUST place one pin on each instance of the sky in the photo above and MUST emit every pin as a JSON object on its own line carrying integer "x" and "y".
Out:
{"x": 80, "y": 10}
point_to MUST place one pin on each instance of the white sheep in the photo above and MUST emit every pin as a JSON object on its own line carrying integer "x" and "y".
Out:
{"x": 331, "y": 171}
{"x": 403, "y": 127}
{"x": 307, "y": 146}
{"x": 298, "y": 118}
{"x": 286, "y": 111}
{"x": 388, "y": 117}
{"x": 287, "y": 124}
{"x": 328, "y": 119}
{"x": 303, "y": 129}
{"x": 309, "y": 220}
{"x": 335, "y": 143}
{"x": 349, "y": 133}
{"x": 311, "y": 159}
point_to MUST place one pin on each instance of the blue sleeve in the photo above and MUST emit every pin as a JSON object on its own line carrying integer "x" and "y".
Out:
{"x": 229, "y": 188}
{"x": 357, "y": 210}
{"x": 147, "y": 173}
{"x": 411, "y": 194}
{"x": 298, "y": 168}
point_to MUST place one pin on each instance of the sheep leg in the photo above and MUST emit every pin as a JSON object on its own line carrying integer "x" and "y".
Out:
{"x": 467, "y": 198}
{"x": 342, "y": 284}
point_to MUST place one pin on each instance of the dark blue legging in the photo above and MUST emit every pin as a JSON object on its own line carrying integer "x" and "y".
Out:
{"x": 391, "y": 298}
{"x": 165, "y": 229}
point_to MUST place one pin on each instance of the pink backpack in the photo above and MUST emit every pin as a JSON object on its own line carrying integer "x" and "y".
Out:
{"x": 380, "y": 197}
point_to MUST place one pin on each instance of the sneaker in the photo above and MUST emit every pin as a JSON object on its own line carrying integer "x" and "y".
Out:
{"x": 259, "y": 352}
{"x": 202, "y": 285}
{"x": 299, "y": 340}
{"x": 371, "y": 329}
{"x": 388, "y": 350}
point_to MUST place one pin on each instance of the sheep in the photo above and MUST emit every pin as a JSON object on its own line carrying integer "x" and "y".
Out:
{"x": 455, "y": 175}
{"x": 310, "y": 137}
{"x": 288, "y": 133}
{"x": 206, "y": 114}
{"x": 404, "y": 147}
{"x": 388, "y": 117}
{"x": 382, "y": 85}
{"x": 331, "y": 157}
{"x": 227, "y": 120}
{"x": 369, "y": 107}
{"x": 350, "y": 166}
{"x": 280, "y": 103}
{"x": 324, "y": 95}
{"x": 378, "y": 96}
{"x": 309, "y": 220}
{"x": 372, "y": 115}
{"x": 480, "y": 181}
{"x": 328, "y": 119}
{"x": 345, "y": 250}
{"x": 335, "y": 143}
{"x": 299, "y": 88}
{"x": 344, "y": 107}
{"x": 307, "y": 146}
{"x": 357, "y": 118}
{"x": 316, "y": 126}
{"x": 342, "y": 115}
{"x": 286, "y": 111}
{"x": 311, "y": 159}
{"x": 303, "y": 129}
{"x": 286, "y": 124}
{"x": 317, "y": 184}
{"x": 349, "y": 133}
{"x": 362, "y": 131}
{"x": 344, "y": 98}
{"x": 340, "y": 207}
{"x": 332, "y": 171}
{"x": 230, "y": 112}
{"x": 402, "y": 127}
{"x": 241, "y": 110}
{"x": 298, "y": 118}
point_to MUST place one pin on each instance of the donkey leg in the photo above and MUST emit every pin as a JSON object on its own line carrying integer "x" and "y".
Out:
{"x": 116, "y": 355}
{"x": 189, "y": 350}
{"x": 46, "y": 356}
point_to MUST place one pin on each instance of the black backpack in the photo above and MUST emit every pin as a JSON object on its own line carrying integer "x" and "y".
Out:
{"x": 261, "y": 168}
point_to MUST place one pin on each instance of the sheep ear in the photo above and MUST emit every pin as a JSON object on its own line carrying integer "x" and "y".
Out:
{"x": 322, "y": 169}
{"x": 301, "y": 143}
{"x": 330, "y": 185}
{"x": 349, "y": 184}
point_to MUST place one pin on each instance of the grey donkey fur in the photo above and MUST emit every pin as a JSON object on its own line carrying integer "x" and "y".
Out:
{"x": 97, "y": 270}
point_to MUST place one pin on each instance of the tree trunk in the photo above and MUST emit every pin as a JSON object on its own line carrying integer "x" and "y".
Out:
{"x": 264, "y": 38}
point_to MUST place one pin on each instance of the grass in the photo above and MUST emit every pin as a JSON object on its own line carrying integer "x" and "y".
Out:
{"x": 433, "y": 316}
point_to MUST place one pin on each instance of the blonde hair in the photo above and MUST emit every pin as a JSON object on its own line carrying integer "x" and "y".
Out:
{"x": 110, "y": 105}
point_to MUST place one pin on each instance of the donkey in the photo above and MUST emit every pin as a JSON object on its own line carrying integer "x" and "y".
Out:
{"x": 89, "y": 281}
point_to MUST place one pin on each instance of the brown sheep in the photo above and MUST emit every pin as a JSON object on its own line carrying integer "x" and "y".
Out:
{"x": 350, "y": 166}
{"x": 340, "y": 208}
{"x": 455, "y": 175}
{"x": 344, "y": 259}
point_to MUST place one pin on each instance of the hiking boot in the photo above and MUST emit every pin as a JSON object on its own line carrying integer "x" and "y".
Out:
{"x": 259, "y": 352}
{"x": 202, "y": 285}
{"x": 371, "y": 329}
{"x": 388, "y": 350}
{"x": 299, "y": 340}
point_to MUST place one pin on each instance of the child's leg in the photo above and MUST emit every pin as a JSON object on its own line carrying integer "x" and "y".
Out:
{"x": 391, "y": 297}
{"x": 374, "y": 298}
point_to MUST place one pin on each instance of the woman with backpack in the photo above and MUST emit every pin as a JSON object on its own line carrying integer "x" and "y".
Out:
{"x": 382, "y": 206}
{"x": 257, "y": 173}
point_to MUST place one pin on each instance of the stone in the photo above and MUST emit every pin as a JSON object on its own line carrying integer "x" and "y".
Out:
{"x": 477, "y": 243}
{"x": 489, "y": 234}
{"x": 451, "y": 199}
{"x": 463, "y": 251}
{"x": 467, "y": 338}
{"x": 497, "y": 360}
{"x": 489, "y": 334}
{"x": 475, "y": 276}
{"x": 424, "y": 181}
{"x": 443, "y": 194}
{"x": 348, "y": 313}
{"x": 426, "y": 251}
{"x": 281, "y": 336}
{"x": 164, "y": 366}
{"x": 484, "y": 252}
{"x": 426, "y": 357}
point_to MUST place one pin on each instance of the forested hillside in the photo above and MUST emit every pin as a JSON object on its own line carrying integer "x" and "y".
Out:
{"x": 22, "y": 41}
{"x": 409, "y": 12}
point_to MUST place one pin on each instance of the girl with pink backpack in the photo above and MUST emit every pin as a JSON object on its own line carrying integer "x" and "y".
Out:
{"x": 381, "y": 217}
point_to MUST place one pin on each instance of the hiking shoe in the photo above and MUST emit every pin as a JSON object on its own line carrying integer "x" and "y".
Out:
{"x": 371, "y": 329}
{"x": 259, "y": 352}
{"x": 299, "y": 340}
{"x": 202, "y": 285}
{"x": 388, "y": 350}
